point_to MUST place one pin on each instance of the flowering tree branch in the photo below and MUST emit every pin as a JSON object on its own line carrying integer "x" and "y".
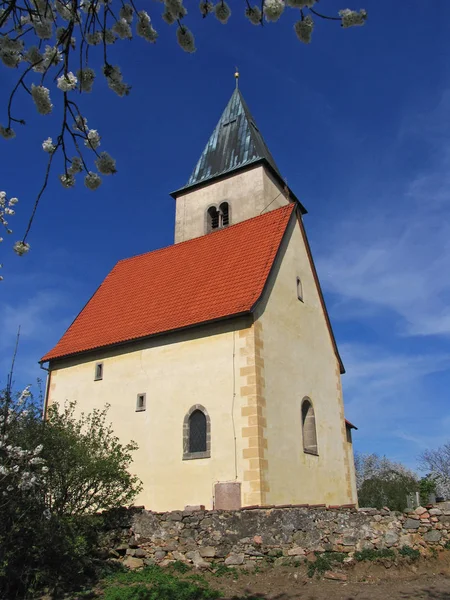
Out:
{"x": 54, "y": 39}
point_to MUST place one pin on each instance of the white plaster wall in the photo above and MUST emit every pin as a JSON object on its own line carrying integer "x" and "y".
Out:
{"x": 175, "y": 371}
{"x": 299, "y": 361}
{"x": 249, "y": 193}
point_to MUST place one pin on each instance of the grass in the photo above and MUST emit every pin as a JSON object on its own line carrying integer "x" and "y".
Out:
{"x": 367, "y": 554}
{"x": 152, "y": 583}
{"x": 409, "y": 552}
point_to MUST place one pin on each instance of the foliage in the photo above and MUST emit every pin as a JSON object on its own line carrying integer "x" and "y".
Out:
{"x": 382, "y": 482}
{"x": 57, "y": 46}
{"x": 153, "y": 583}
{"x": 325, "y": 562}
{"x": 409, "y": 552}
{"x": 369, "y": 554}
{"x": 437, "y": 464}
{"x": 427, "y": 486}
{"x": 47, "y": 536}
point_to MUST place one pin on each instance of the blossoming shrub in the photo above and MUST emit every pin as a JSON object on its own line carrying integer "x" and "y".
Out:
{"x": 55, "y": 477}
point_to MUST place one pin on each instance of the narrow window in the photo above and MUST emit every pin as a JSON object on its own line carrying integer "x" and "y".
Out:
{"x": 98, "y": 371}
{"x": 224, "y": 214}
{"x": 140, "y": 402}
{"x": 196, "y": 433}
{"x": 212, "y": 219}
{"x": 299, "y": 289}
{"x": 309, "y": 427}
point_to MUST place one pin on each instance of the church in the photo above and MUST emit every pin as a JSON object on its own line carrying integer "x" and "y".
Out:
{"x": 216, "y": 354}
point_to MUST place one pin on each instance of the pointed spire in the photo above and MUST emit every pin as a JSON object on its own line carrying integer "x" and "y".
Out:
{"x": 235, "y": 143}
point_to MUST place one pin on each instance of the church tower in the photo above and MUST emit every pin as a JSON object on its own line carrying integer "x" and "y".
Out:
{"x": 216, "y": 354}
{"x": 236, "y": 177}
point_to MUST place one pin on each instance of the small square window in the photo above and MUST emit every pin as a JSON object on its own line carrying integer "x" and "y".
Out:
{"x": 299, "y": 289}
{"x": 98, "y": 371}
{"x": 141, "y": 402}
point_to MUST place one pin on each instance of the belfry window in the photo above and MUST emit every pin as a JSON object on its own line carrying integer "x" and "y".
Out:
{"x": 213, "y": 219}
{"x": 309, "y": 427}
{"x": 216, "y": 218}
{"x": 197, "y": 433}
{"x": 224, "y": 211}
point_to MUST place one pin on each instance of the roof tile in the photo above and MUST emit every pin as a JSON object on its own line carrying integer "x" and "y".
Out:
{"x": 207, "y": 278}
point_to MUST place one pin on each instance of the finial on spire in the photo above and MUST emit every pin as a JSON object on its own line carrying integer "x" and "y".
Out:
{"x": 236, "y": 76}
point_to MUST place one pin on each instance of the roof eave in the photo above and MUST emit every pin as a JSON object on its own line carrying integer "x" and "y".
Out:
{"x": 225, "y": 174}
{"x": 146, "y": 337}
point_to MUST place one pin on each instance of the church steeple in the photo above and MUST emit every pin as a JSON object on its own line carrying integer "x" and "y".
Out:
{"x": 236, "y": 177}
{"x": 235, "y": 143}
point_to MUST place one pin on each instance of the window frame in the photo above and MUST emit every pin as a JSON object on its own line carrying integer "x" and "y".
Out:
{"x": 308, "y": 449}
{"x": 98, "y": 377}
{"x": 300, "y": 289}
{"x": 187, "y": 455}
{"x": 144, "y": 402}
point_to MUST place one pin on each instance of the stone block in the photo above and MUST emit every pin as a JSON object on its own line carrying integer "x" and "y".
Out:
{"x": 335, "y": 576}
{"x": 296, "y": 551}
{"x": 207, "y": 551}
{"x": 432, "y": 536}
{"x": 133, "y": 563}
{"x": 235, "y": 559}
{"x": 411, "y": 524}
{"x": 420, "y": 510}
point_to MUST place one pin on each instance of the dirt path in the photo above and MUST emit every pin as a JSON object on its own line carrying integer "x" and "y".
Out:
{"x": 427, "y": 580}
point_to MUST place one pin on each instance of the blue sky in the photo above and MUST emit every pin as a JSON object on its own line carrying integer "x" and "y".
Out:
{"x": 358, "y": 123}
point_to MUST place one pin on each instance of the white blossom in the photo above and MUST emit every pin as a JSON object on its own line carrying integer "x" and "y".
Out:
{"x": 92, "y": 181}
{"x": 94, "y": 39}
{"x": 86, "y": 79}
{"x": 105, "y": 164}
{"x": 206, "y": 7}
{"x": 93, "y": 139}
{"x": 168, "y": 17}
{"x": 352, "y": 18}
{"x": 9, "y": 211}
{"x": 300, "y": 3}
{"x": 10, "y": 51}
{"x": 186, "y": 39}
{"x": 176, "y": 8}
{"x": 64, "y": 11}
{"x": 13, "y": 201}
{"x": 122, "y": 29}
{"x": 43, "y": 28}
{"x": 222, "y": 11}
{"x": 304, "y": 29}
{"x": 144, "y": 27}
{"x": 34, "y": 57}
{"x": 21, "y": 248}
{"x": 48, "y": 145}
{"x": 52, "y": 56}
{"x": 273, "y": 9}
{"x": 7, "y": 132}
{"x": 76, "y": 166}
{"x": 114, "y": 78}
{"x": 109, "y": 37}
{"x": 41, "y": 97}
{"x": 253, "y": 14}
{"x": 67, "y": 83}
{"x": 67, "y": 180}
{"x": 127, "y": 12}
{"x": 80, "y": 123}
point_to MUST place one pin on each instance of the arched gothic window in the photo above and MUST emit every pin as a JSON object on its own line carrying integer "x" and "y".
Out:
{"x": 309, "y": 427}
{"x": 197, "y": 433}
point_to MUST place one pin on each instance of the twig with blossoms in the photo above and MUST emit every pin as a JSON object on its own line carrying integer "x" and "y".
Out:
{"x": 70, "y": 30}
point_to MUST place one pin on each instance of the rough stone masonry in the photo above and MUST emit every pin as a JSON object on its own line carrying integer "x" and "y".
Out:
{"x": 138, "y": 537}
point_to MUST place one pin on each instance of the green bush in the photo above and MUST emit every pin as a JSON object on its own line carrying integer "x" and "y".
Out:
{"x": 55, "y": 475}
{"x": 325, "y": 562}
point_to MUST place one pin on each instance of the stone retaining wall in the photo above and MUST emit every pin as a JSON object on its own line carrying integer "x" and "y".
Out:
{"x": 138, "y": 537}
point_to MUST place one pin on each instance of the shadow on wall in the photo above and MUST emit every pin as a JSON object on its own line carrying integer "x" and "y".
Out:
{"x": 361, "y": 592}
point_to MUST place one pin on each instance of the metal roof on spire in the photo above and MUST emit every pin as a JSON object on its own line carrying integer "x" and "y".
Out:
{"x": 235, "y": 143}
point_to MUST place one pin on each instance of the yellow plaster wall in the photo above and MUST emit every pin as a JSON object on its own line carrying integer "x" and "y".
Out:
{"x": 200, "y": 366}
{"x": 249, "y": 193}
{"x": 299, "y": 361}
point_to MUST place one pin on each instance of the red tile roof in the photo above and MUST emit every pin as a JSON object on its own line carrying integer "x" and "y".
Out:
{"x": 204, "y": 279}
{"x": 350, "y": 425}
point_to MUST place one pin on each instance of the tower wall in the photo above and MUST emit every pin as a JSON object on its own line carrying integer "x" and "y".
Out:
{"x": 249, "y": 193}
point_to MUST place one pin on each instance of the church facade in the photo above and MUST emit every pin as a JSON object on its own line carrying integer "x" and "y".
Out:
{"x": 216, "y": 354}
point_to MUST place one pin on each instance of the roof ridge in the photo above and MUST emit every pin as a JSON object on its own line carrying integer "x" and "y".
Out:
{"x": 214, "y": 232}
